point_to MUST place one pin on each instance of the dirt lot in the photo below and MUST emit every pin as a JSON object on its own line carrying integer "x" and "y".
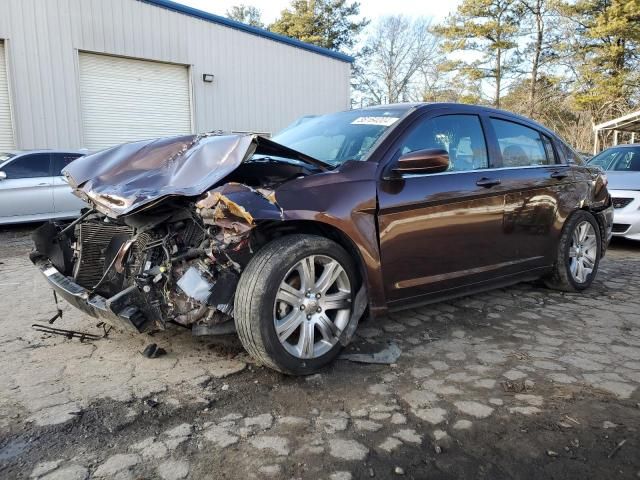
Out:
{"x": 517, "y": 383}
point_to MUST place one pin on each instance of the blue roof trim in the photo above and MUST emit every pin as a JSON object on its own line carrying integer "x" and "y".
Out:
{"x": 227, "y": 22}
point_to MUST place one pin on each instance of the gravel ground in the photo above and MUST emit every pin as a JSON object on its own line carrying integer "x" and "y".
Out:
{"x": 521, "y": 382}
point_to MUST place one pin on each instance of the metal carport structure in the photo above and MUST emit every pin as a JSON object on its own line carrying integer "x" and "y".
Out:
{"x": 629, "y": 123}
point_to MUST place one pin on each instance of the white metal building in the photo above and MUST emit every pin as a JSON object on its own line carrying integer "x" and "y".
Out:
{"x": 94, "y": 73}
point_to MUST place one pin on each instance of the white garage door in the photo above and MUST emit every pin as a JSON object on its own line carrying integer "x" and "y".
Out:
{"x": 124, "y": 100}
{"x": 6, "y": 129}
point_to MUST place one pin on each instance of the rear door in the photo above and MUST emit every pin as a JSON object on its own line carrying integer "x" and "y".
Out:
{"x": 27, "y": 191}
{"x": 535, "y": 183}
{"x": 66, "y": 204}
{"x": 441, "y": 231}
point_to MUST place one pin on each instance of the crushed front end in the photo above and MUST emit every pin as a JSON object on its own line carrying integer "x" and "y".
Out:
{"x": 152, "y": 249}
{"x": 149, "y": 269}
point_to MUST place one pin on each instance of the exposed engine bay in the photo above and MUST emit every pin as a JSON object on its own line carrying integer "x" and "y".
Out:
{"x": 172, "y": 258}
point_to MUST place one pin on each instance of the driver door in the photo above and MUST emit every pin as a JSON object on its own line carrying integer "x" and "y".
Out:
{"x": 441, "y": 231}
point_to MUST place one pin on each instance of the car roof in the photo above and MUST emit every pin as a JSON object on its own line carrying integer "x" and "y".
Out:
{"x": 18, "y": 153}
{"x": 418, "y": 106}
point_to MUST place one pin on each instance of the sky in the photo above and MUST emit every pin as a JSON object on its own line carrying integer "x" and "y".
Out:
{"x": 372, "y": 9}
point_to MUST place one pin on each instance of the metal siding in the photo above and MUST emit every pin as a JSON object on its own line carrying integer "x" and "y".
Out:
{"x": 124, "y": 100}
{"x": 259, "y": 85}
{"x": 6, "y": 126}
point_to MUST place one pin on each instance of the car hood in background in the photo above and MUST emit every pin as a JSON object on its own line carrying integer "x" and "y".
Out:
{"x": 623, "y": 180}
{"x": 124, "y": 178}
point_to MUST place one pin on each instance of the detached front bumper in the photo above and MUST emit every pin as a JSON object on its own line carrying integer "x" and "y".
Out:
{"x": 118, "y": 310}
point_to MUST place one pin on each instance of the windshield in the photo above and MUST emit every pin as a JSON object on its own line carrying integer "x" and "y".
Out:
{"x": 621, "y": 159}
{"x": 4, "y": 156}
{"x": 338, "y": 137}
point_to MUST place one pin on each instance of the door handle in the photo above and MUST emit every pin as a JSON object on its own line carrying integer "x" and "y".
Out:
{"x": 488, "y": 182}
{"x": 42, "y": 184}
{"x": 559, "y": 174}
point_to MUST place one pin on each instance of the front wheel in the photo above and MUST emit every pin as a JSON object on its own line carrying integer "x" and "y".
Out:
{"x": 579, "y": 253}
{"x": 293, "y": 302}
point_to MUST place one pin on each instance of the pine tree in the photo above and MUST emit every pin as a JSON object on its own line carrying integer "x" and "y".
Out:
{"x": 489, "y": 29}
{"x": 326, "y": 23}
{"x": 605, "y": 49}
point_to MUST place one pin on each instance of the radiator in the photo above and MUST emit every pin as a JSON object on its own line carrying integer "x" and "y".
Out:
{"x": 93, "y": 239}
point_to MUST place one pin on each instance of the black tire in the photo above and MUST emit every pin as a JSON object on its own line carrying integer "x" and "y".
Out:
{"x": 256, "y": 294}
{"x": 561, "y": 278}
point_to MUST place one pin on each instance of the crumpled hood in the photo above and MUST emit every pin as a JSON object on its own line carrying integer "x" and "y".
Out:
{"x": 123, "y": 178}
{"x": 623, "y": 180}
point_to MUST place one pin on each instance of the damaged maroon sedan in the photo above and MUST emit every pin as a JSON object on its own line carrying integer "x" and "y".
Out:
{"x": 288, "y": 241}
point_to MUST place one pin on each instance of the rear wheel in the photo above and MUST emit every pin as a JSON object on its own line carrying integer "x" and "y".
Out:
{"x": 293, "y": 302}
{"x": 579, "y": 253}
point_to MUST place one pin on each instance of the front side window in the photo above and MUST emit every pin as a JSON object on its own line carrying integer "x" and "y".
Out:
{"x": 28, "y": 166}
{"x": 460, "y": 135}
{"x": 520, "y": 146}
{"x": 621, "y": 159}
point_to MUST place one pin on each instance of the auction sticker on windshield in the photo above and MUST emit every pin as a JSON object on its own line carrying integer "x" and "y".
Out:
{"x": 382, "y": 121}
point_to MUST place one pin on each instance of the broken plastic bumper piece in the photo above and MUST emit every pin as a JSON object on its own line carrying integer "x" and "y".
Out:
{"x": 118, "y": 310}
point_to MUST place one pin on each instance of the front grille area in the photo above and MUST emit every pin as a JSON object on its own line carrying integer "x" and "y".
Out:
{"x": 93, "y": 240}
{"x": 621, "y": 202}
{"x": 620, "y": 227}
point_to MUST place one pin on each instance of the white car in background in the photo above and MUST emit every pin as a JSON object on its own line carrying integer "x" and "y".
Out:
{"x": 32, "y": 187}
{"x": 622, "y": 164}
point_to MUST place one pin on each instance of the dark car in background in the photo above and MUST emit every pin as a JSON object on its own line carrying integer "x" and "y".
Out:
{"x": 291, "y": 240}
{"x": 622, "y": 166}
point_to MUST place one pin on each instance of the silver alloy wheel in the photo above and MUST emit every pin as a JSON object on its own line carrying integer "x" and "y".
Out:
{"x": 583, "y": 251}
{"x": 312, "y": 306}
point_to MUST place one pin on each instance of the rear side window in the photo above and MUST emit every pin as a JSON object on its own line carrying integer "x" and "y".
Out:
{"x": 460, "y": 135}
{"x": 520, "y": 146}
{"x": 61, "y": 160}
{"x": 28, "y": 166}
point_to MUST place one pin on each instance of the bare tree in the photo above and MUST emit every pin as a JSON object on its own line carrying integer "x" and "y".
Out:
{"x": 395, "y": 53}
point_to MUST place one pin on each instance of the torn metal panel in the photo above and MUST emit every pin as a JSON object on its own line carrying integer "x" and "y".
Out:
{"x": 238, "y": 201}
{"x": 232, "y": 208}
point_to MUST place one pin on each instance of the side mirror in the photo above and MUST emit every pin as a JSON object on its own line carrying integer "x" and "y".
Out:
{"x": 3, "y": 175}
{"x": 431, "y": 160}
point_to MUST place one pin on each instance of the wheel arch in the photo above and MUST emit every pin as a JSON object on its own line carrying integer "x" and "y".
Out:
{"x": 265, "y": 232}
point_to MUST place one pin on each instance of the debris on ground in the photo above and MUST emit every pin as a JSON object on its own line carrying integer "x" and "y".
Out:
{"x": 616, "y": 449}
{"x": 516, "y": 386}
{"x": 387, "y": 356}
{"x": 65, "y": 333}
{"x": 153, "y": 351}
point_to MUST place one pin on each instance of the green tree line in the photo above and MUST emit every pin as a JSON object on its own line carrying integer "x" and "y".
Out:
{"x": 566, "y": 63}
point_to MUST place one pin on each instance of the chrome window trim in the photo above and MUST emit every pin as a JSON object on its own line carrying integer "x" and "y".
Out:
{"x": 477, "y": 170}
